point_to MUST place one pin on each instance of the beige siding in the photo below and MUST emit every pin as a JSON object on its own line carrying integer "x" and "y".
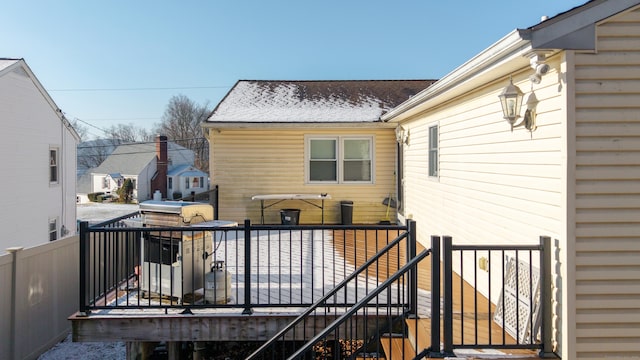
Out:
{"x": 607, "y": 170}
{"x": 246, "y": 162}
{"x": 495, "y": 185}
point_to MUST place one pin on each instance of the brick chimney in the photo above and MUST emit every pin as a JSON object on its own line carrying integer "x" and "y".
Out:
{"x": 159, "y": 180}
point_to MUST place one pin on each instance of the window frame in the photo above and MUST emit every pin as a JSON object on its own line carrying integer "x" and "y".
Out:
{"x": 433, "y": 152}
{"x": 53, "y": 233}
{"x": 340, "y": 158}
{"x": 54, "y": 168}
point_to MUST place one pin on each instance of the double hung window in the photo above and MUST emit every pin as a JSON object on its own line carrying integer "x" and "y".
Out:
{"x": 339, "y": 159}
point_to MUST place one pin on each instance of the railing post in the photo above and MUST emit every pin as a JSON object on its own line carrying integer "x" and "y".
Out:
{"x": 413, "y": 273}
{"x": 84, "y": 248}
{"x": 14, "y": 300}
{"x": 447, "y": 252}
{"x": 546, "y": 278}
{"x": 247, "y": 268}
{"x": 213, "y": 200}
{"x": 435, "y": 294}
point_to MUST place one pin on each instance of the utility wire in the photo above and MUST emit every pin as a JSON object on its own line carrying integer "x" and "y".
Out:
{"x": 140, "y": 89}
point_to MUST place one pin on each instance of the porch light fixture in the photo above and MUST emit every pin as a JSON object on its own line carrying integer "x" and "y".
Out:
{"x": 402, "y": 135}
{"x": 511, "y": 101}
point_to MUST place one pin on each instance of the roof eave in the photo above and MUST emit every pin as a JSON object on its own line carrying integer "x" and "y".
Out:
{"x": 292, "y": 125}
{"x": 496, "y": 59}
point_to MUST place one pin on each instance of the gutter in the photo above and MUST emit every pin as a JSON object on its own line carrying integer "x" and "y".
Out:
{"x": 513, "y": 45}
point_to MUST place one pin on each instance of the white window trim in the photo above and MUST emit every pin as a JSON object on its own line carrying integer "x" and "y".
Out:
{"x": 339, "y": 158}
{"x": 57, "y": 150}
{"x": 53, "y": 221}
{"x": 437, "y": 175}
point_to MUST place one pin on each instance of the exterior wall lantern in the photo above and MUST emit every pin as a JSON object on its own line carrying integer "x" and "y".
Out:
{"x": 511, "y": 101}
{"x": 402, "y": 135}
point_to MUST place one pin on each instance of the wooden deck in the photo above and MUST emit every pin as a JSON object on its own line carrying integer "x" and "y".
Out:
{"x": 473, "y": 314}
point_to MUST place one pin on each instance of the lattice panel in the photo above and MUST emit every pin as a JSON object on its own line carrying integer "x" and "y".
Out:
{"x": 517, "y": 298}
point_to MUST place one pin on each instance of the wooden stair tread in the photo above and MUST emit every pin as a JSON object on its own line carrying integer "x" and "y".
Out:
{"x": 397, "y": 348}
{"x": 422, "y": 339}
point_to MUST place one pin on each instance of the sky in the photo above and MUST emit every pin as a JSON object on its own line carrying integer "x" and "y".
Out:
{"x": 120, "y": 62}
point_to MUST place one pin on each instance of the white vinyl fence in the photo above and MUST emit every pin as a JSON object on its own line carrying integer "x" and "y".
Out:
{"x": 39, "y": 291}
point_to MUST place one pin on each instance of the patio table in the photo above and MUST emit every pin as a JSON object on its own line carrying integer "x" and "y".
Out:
{"x": 278, "y": 198}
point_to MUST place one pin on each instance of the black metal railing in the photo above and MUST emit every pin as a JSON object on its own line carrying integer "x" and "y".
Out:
{"x": 510, "y": 312}
{"x": 125, "y": 265}
{"x": 355, "y": 330}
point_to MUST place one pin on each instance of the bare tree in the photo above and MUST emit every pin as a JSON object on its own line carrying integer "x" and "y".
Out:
{"x": 128, "y": 133}
{"x": 181, "y": 124}
{"x": 82, "y": 130}
{"x": 92, "y": 153}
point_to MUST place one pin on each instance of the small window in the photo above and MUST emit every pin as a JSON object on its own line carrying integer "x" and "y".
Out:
{"x": 186, "y": 182}
{"x": 53, "y": 165}
{"x": 105, "y": 182}
{"x": 433, "y": 150}
{"x": 53, "y": 229}
{"x": 170, "y": 184}
{"x": 202, "y": 181}
{"x": 196, "y": 183}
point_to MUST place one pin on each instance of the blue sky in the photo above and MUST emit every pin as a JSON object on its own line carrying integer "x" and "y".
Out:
{"x": 111, "y": 62}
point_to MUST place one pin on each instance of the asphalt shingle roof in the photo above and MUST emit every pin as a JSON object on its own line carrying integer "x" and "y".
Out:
{"x": 261, "y": 101}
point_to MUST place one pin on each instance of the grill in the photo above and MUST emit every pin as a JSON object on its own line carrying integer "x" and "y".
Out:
{"x": 173, "y": 262}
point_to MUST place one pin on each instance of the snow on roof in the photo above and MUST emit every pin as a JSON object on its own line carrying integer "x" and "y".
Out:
{"x": 257, "y": 101}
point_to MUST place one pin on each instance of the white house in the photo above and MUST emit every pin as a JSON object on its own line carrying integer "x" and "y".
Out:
{"x": 38, "y": 157}
{"x": 182, "y": 180}
{"x": 569, "y": 168}
{"x": 143, "y": 164}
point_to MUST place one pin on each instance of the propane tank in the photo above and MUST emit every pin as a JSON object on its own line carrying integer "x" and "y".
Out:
{"x": 217, "y": 284}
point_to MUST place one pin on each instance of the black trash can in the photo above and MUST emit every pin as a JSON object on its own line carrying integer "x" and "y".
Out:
{"x": 346, "y": 212}
{"x": 289, "y": 216}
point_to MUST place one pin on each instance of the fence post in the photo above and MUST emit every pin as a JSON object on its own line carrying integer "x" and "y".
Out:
{"x": 247, "y": 268}
{"x": 84, "y": 247}
{"x": 435, "y": 294}
{"x": 413, "y": 273}
{"x": 546, "y": 278}
{"x": 447, "y": 252}
{"x": 14, "y": 283}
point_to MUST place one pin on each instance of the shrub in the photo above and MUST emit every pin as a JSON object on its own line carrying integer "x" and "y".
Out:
{"x": 177, "y": 195}
{"x": 93, "y": 197}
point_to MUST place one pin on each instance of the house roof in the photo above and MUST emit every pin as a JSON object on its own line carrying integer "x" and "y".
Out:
{"x": 131, "y": 159}
{"x": 8, "y": 65}
{"x": 335, "y": 101}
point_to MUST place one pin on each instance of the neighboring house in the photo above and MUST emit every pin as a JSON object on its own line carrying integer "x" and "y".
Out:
{"x": 309, "y": 137}
{"x": 574, "y": 175}
{"x": 38, "y": 151}
{"x": 182, "y": 180}
{"x": 143, "y": 164}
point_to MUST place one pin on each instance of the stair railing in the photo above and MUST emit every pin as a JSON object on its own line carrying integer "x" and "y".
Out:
{"x": 410, "y": 234}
